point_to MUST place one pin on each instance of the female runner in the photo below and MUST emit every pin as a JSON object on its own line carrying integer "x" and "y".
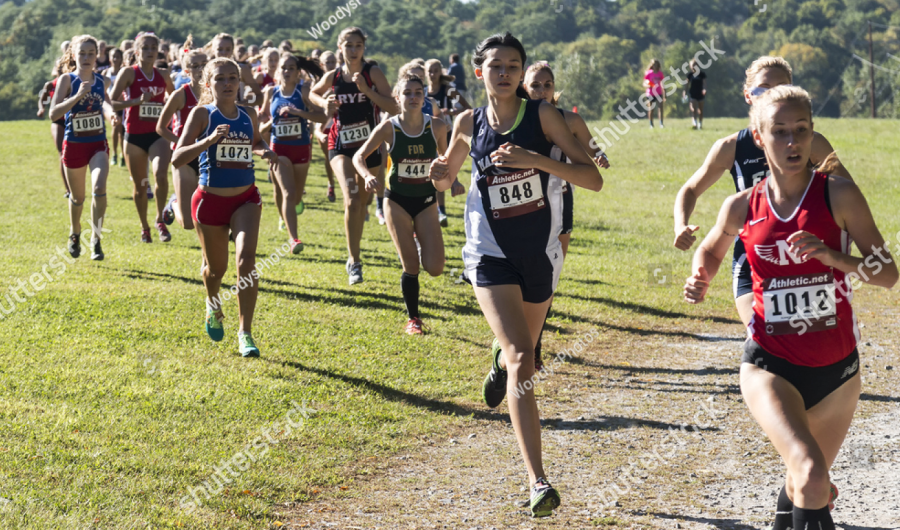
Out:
{"x": 328, "y": 62}
{"x": 81, "y": 97}
{"x": 447, "y": 97}
{"x": 413, "y": 141}
{"x": 225, "y": 137}
{"x": 288, "y": 108}
{"x": 360, "y": 90}
{"x": 512, "y": 251}
{"x": 222, "y": 45}
{"x": 177, "y": 109}
{"x": 58, "y": 127}
{"x": 116, "y": 60}
{"x": 739, "y": 154}
{"x": 800, "y": 368}
{"x": 146, "y": 88}
{"x": 653, "y": 79}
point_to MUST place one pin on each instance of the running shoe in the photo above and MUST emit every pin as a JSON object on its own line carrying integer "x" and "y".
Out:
{"x": 97, "y": 254}
{"x": 379, "y": 213}
{"x": 834, "y": 496}
{"x": 169, "y": 210}
{"x": 164, "y": 234}
{"x": 115, "y": 160}
{"x": 494, "y": 389}
{"x": 538, "y": 363}
{"x": 281, "y": 226}
{"x": 367, "y": 215}
{"x": 145, "y": 236}
{"x": 296, "y": 246}
{"x": 544, "y": 498}
{"x": 149, "y": 191}
{"x": 247, "y": 346}
{"x": 414, "y": 327}
{"x": 67, "y": 195}
{"x": 74, "y": 245}
{"x": 331, "y": 196}
{"x": 354, "y": 271}
{"x": 214, "y": 327}
{"x": 122, "y": 161}
{"x": 299, "y": 208}
{"x": 442, "y": 217}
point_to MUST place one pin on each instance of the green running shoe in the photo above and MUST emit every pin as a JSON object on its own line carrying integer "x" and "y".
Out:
{"x": 214, "y": 327}
{"x": 247, "y": 346}
{"x": 494, "y": 389}
{"x": 544, "y": 498}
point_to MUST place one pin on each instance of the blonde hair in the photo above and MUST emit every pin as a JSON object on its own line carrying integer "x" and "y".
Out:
{"x": 543, "y": 66}
{"x": 206, "y": 96}
{"x": 445, "y": 79}
{"x": 764, "y": 63}
{"x": 68, "y": 63}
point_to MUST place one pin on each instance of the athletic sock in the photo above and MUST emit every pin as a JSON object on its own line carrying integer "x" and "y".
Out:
{"x": 409, "y": 284}
{"x": 379, "y": 202}
{"x": 441, "y": 209}
{"x": 784, "y": 511}
{"x": 819, "y": 519}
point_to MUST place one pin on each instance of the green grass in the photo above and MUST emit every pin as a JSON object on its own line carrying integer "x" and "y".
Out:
{"x": 113, "y": 401}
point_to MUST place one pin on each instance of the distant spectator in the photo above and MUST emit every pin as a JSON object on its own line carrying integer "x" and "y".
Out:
{"x": 456, "y": 70}
{"x": 653, "y": 83}
{"x": 285, "y": 46}
{"x": 697, "y": 89}
{"x": 102, "y": 58}
{"x": 267, "y": 44}
{"x": 126, "y": 45}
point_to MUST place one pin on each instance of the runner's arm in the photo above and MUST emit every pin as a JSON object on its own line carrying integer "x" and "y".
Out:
{"x": 580, "y": 130}
{"x": 718, "y": 161}
{"x": 712, "y": 251}
{"x": 41, "y": 95}
{"x": 249, "y": 81}
{"x": 380, "y": 136}
{"x": 123, "y": 81}
{"x": 62, "y": 103}
{"x": 445, "y": 167}
{"x": 188, "y": 147}
{"x": 387, "y": 102}
{"x": 322, "y": 86}
{"x": 175, "y": 103}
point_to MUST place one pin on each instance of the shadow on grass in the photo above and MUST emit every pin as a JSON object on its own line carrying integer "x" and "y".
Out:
{"x": 615, "y": 423}
{"x": 645, "y": 309}
{"x": 392, "y": 394}
{"x": 724, "y": 524}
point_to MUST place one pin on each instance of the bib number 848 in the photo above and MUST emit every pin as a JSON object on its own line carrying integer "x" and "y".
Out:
{"x": 513, "y": 193}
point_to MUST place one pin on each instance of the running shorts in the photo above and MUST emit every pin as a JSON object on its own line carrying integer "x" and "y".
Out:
{"x": 215, "y": 210}
{"x": 297, "y": 154}
{"x": 79, "y": 154}
{"x": 373, "y": 160}
{"x": 537, "y": 276}
{"x": 413, "y": 205}
{"x": 144, "y": 141}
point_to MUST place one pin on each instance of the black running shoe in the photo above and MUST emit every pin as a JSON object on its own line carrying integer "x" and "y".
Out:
{"x": 544, "y": 498}
{"x": 74, "y": 245}
{"x": 97, "y": 254}
{"x": 538, "y": 363}
{"x": 494, "y": 389}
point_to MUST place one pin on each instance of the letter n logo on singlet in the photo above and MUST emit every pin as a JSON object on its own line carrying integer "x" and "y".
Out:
{"x": 768, "y": 253}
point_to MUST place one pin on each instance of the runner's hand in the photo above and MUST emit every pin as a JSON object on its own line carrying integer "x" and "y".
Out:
{"x": 440, "y": 169}
{"x": 805, "y": 245}
{"x": 457, "y": 189}
{"x": 371, "y": 183}
{"x": 509, "y": 155}
{"x": 696, "y": 286}
{"x": 220, "y": 132}
{"x": 83, "y": 90}
{"x": 331, "y": 105}
{"x": 360, "y": 81}
{"x": 145, "y": 97}
{"x": 284, "y": 111}
{"x": 40, "y": 113}
{"x": 686, "y": 238}
{"x": 268, "y": 155}
{"x": 602, "y": 161}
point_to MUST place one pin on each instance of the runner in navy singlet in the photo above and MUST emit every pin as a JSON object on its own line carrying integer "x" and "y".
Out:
{"x": 800, "y": 368}
{"x": 512, "y": 250}
{"x": 738, "y": 154}
{"x": 359, "y": 90}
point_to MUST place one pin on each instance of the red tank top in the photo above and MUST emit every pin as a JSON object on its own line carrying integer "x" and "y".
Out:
{"x": 801, "y": 310}
{"x": 141, "y": 119}
{"x": 180, "y": 117}
{"x": 267, "y": 80}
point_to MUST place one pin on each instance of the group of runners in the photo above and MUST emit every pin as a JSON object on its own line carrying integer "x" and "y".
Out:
{"x": 792, "y": 219}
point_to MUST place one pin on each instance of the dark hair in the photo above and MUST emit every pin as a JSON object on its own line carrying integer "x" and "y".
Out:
{"x": 454, "y": 58}
{"x": 311, "y": 66}
{"x": 498, "y": 41}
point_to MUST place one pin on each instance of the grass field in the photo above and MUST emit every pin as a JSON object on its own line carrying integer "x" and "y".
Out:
{"x": 114, "y": 403}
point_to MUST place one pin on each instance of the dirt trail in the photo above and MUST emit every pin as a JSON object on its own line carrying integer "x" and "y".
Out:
{"x": 643, "y": 429}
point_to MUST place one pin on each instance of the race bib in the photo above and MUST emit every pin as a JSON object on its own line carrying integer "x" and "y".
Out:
{"x": 288, "y": 129}
{"x": 354, "y": 134}
{"x": 413, "y": 171}
{"x": 234, "y": 155}
{"x": 797, "y": 303}
{"x": 87, "y": 123}
{"x": 516, "y": 193}
{"x": 150, "y": 111}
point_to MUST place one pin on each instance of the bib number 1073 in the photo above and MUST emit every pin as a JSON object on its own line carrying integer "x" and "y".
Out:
{"x": 234, "y": 156}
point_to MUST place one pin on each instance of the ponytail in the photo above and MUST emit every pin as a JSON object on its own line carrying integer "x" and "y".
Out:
{"x": 829, "y": 164}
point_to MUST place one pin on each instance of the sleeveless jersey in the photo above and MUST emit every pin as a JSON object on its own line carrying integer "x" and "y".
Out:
{"x": 801, "y": 310}
{"x": 229, "y": 163}
{"x": 750, "y": 165}
{"x": 180, "y": 117}
{"x": 180, "y": 79}
{"x": 443, "y": 102}
{"x": 427, "y": 107}
{"x": 356, "y": 115}
{"x": 288, "y": 130}
{"x": 50, "y": 92}
{"x": 509, "y": 212}
{"x": 141, "y": 119}
{"x": 410, "y": 160}
{"x": 267, "y": 81}
{"x": 84, "y": 122}
{"x": 558, "y": 186}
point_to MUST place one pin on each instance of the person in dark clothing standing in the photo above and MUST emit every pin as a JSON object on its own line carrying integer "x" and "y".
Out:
{"x": 697, "y": 89}
{"x": 456, "y": 70}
